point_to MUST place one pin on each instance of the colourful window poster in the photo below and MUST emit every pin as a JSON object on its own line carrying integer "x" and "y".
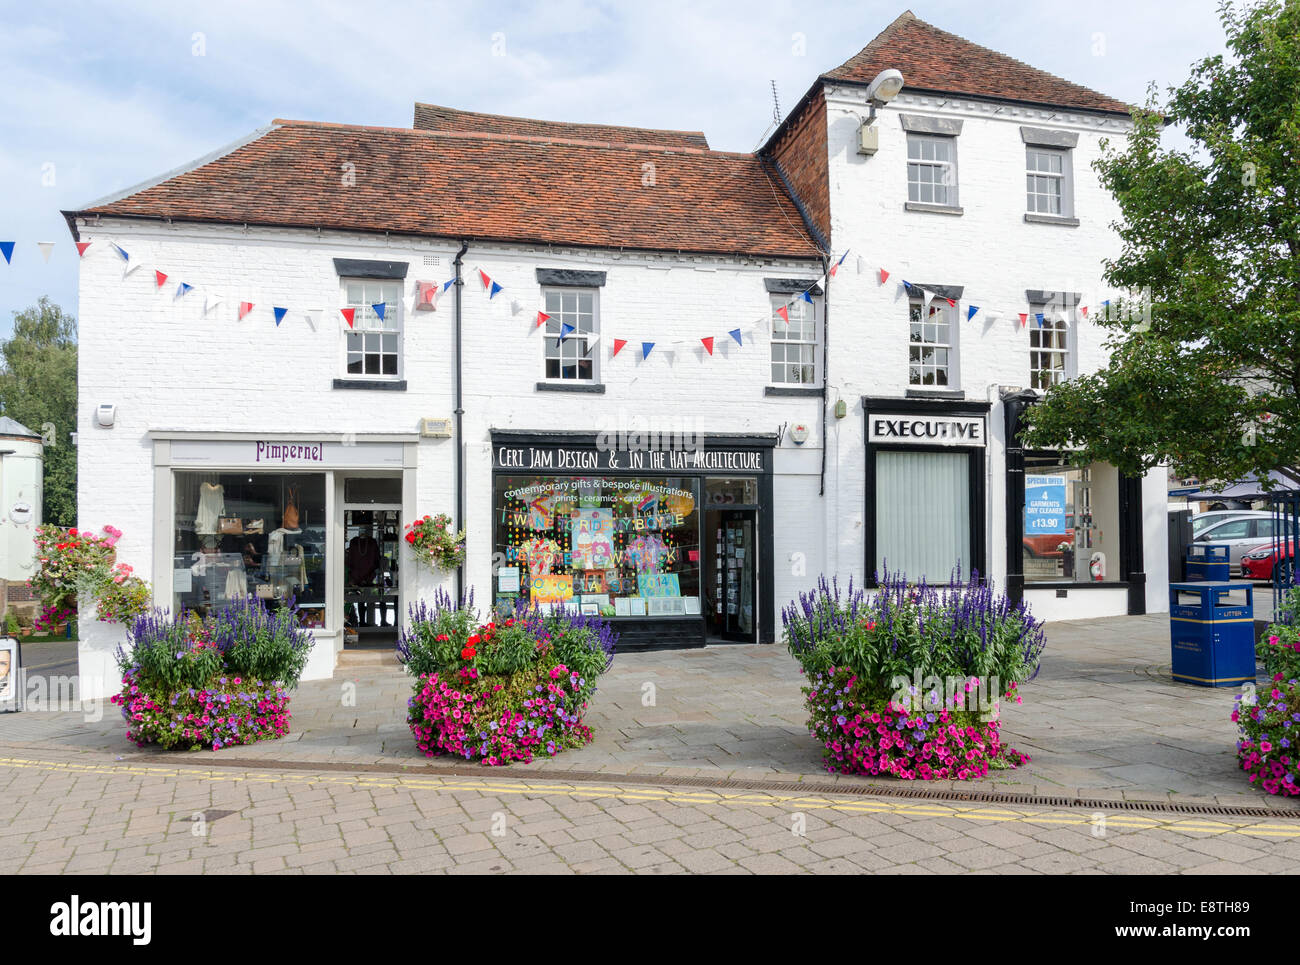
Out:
{"x": 540, "y": 509}
{"x": 1044, "y": 505}
{"x": 593, "y": 539}
{"x": 552, "y": 589}
{"x": 659, "y": 584}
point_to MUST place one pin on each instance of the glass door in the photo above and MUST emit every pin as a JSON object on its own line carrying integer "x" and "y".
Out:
{"x": 372, "y": 531}
{"x": 732, "y": 548}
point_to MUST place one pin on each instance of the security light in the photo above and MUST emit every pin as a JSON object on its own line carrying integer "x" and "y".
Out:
{"x": 885, "y": 87}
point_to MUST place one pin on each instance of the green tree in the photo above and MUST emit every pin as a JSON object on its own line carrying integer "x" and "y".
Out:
{"x": 38, "y": 385}
{"x": 1210, "y": 380}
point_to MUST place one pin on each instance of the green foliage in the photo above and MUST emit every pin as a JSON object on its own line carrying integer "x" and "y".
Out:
{"x": 1279, "y": 647}
{"x": 38, "y": 385}
{"x": 1213, "y": 386}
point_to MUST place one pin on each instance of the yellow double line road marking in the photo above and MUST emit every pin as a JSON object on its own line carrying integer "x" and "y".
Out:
{"x": 531, "y": 787}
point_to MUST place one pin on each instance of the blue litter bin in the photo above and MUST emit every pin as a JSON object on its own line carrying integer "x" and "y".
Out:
{"x": 1209, "y": 561}
{"x": 1212, "y": 639}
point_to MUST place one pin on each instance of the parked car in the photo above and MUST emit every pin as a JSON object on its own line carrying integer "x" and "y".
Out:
{"x": 1202, "y": 521}
{"x": 1240, "y": 534}
{"x": 1269, "y": 562}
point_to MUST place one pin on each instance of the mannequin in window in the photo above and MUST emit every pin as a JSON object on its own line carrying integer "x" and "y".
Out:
{"x": 362, "y": 560}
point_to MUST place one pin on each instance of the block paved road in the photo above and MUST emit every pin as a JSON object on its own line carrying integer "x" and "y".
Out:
{"x": 75, "y": 815}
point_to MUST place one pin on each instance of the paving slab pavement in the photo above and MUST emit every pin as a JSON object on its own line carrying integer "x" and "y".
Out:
{"x": 1103, "y": 720}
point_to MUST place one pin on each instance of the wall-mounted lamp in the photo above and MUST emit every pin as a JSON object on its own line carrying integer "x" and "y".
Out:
{"x": 880, "y": 92}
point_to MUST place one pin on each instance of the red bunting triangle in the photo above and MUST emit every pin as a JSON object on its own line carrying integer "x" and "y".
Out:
{"x": 244, "y": 309}
{"x": 160, "y": 278}
{"x": 487, "y": 282}
{"x": 952, "y": 302}
{"x": 834, "y": 268}
{"x": 542, "y": 318}
{"x": 1084, "y": 311}
{"x": 708, "y": 344}
{"x": 81, "y": 248}
{"x": 618, "y": 345}
{"x": 784, "y": 312}
{"x": 884, "y": 276}
{"x": 349, "y": 315}
{"x": 1024, "y": 317}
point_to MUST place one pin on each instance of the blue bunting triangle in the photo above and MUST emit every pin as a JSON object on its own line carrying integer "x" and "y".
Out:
{"x": 970, "y": 311}
{"x": 646, "y": 349}
{"x": 448, "y": 283}
{"x": 7, "y": 249}
{"x": 493, "y": 291}
{"x": 1039, "y": 318}
{"x": 279, "y": 315}
{"x": 184, "y": 290}
{"x": 735, "y": 333}
{"x": 807, "y": 296}
{"x": 380, "y": 308}
{"x": 566, "y": 330}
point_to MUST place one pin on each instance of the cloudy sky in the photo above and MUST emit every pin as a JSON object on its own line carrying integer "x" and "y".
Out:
{"x": 97, "y": 97}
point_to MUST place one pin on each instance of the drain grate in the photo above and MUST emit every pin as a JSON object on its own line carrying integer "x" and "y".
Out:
{"x": 725, "y": 784}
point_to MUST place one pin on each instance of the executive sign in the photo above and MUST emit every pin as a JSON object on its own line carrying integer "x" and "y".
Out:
{"x": 885, "y": 428}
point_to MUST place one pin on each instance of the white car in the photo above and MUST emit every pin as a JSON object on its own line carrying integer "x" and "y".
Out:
{"x": 1240, "y": 534}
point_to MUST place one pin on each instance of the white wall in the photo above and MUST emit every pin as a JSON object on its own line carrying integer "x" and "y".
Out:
{"x": 21, "y": 480}
{"x": 167, "y": 365}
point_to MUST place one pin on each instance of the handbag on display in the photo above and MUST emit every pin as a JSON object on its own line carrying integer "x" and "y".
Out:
{"x": 265, "y": 591}
{"x": 291, "y": 509}
{"x": 230, "y": 526}
{"x": 254, "y": 527}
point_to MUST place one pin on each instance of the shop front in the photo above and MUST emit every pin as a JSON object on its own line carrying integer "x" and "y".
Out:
{"x": 1071, "y": 528}
{"x": 925, "y": 488}
{"x": 671, "y": 541}
{"x": 310, "y": 519}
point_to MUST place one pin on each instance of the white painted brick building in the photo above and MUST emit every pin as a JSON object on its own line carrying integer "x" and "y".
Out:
{"x": 703, "y": 244}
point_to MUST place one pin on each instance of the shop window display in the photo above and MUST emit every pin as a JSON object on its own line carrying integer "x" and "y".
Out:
{"x": 250, "y": 534}
{"x": 616, "y": 547}
{"x": 1071, "y": 520}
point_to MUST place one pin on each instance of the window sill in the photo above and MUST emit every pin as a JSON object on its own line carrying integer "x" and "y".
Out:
{"x": 1051, "y": 219}
{"x": 794, "y": 390}
{"x": 957, "y": 394}
{"x": 596, "y": 387}
{"x": 1068, "y": 585}
{"x": 932, "y": 208}
{"x": 380, "y": 384}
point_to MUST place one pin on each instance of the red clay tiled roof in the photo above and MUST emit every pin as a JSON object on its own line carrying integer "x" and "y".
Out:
{"x": 431, "y": 117}
{"x": 485, "y": 187}
{"x": 935, "y": 60}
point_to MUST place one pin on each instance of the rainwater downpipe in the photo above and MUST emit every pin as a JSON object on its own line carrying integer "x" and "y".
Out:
{"x": 459, "y": 413}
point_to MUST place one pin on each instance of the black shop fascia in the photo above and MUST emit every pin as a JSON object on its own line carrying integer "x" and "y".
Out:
{"x": 667, "y": 536}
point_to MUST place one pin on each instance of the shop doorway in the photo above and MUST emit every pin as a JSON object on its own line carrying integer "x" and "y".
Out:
{"x": 372, "y": 531}
{"x": 731, "y": 581}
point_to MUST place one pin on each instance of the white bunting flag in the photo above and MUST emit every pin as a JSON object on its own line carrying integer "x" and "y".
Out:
{"x": 46, "y": 247}
{"x": 210, "y": 302}
{"x": 313, "y": 316}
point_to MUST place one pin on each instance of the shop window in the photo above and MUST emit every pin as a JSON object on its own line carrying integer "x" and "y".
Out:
{"x": 1071, "y": 522}
{"x": 574, "y": 322}
{"x": 373, "y": 345}
{"x": 932, "y": 351}
{"x": 244, "y": 534}
{"x": 794, "y": 346}
{"x": 923, "y": 514}
{"x": 932, "y": 169}
{"x": 731, "y": 492}
{"x": 617, "y": 547}
{"x": 1049, "y": 352}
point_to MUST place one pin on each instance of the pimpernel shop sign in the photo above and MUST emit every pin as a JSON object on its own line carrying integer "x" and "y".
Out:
{"x": 568, "y": 459}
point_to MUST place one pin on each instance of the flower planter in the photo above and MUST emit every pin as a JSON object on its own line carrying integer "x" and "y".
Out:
{"x": 502, "y": 692}
{"x": 190, "y": 683}
{"x": 866, "y": 736}
{"x": 499, "y": 720}
{"x": 230, "y": 711}
{"x": 909, "y": 682}
{"x": 1268, "y": 720}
